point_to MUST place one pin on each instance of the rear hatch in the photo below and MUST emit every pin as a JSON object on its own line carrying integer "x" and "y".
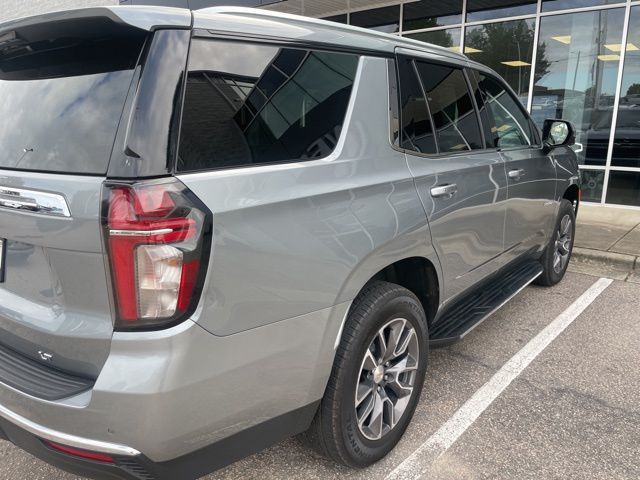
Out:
{"x": 63, "y": 88}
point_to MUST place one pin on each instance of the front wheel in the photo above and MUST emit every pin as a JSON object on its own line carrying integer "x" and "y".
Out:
{"x": 376, "y": 379}
{"x": 555, "y": 259}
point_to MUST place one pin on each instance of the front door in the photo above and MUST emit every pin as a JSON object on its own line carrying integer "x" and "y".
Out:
{"x": 531, "y": 175}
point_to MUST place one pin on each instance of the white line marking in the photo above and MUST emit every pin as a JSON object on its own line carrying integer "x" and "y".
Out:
{"x": 418, "y": 462}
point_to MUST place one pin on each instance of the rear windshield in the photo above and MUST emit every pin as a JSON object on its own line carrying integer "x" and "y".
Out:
{"x": 61, "y": 100}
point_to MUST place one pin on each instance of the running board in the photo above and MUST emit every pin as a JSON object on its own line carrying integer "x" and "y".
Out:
{"x": 465, "y": 315}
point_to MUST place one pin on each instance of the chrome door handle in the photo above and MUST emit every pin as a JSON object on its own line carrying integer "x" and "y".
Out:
{"x": 516, "y": 174}
{"x": 444, "y": 191}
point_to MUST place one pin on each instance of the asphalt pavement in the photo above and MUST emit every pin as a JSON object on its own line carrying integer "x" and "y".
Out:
{"x": 506, "y": 402}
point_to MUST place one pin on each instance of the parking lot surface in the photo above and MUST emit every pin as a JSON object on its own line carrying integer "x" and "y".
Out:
{"x": 570, "y": 411}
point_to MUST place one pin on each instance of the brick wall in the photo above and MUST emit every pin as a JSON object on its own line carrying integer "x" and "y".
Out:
{"x": 10, "y": 9}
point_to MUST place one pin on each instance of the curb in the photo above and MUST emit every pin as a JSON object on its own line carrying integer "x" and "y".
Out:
{"x": 610, "y": 259}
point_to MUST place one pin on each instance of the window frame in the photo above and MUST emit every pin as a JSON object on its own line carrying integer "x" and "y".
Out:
{"x": 535, "y": 140}
{"x": 435, "y": 61}
{"x": 201, "y": 34}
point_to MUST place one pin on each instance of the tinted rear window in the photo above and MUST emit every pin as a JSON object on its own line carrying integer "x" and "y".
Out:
{"x": 62, "y": 99}
{"x": 250, "y": 104}
{"x": 451, "y": 106}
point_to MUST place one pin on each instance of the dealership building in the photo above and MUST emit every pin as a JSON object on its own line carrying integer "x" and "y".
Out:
{"x": 572, "y": 59}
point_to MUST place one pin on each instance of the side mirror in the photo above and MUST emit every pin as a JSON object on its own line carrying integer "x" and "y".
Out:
{"x": 557, "y": 133}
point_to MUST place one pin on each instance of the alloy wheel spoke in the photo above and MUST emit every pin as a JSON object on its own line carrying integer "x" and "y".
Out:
{"x": 376, "y": 423}
{"x": 386, "y": 379}
{"x": 382, "y": 345}
{"x": 409, "y": 337}
{"x": 366, "y": 410}
{"x": 365, "y": 389}
{"x": 395, "y": 383}
{"x": 396, "y": 331}
{"x": 390, "y": 412}
{"x": 370, "y": 362}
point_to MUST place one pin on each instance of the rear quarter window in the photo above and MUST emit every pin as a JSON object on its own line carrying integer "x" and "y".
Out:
{"x": 254, "y": 104}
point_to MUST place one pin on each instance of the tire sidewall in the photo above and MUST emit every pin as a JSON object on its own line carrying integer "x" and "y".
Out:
{"x": 361, "y": 449}
{"x": 566, "y": 208}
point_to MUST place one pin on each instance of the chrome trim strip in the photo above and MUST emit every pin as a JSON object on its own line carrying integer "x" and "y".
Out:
{"x": 65, "y": 438}
{"x": 139, "y": 233}
{"x": 33, "y": 201}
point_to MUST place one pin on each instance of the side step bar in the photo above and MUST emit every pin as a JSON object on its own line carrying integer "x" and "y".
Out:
{"x": 466, "y": 314}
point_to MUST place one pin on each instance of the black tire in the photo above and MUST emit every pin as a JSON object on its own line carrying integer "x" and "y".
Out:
{"x": 334, "y": 432}
{"x": 551, "y": 275}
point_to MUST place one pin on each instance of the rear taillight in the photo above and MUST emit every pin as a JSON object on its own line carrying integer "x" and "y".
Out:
{"x": 158, "y": 239}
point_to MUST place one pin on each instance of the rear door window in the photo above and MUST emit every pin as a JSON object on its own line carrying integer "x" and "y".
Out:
{"x": 510, "y": 126}
{"x": 454, "y": 116}
{"x": 417, "y": 129}
{"x": 62, "y": 99}
{"x": 255, "y": 104}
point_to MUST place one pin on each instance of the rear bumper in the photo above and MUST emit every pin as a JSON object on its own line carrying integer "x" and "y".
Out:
{"x": 135, "y": 466}
{"x": 26, "y": 425}
{"x": 35, "y": 445}
{"x": 182, "y": 402}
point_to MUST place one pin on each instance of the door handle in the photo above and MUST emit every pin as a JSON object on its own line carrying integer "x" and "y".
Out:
{"x": 444, "y": 190}
{"x": 516, "y": 174}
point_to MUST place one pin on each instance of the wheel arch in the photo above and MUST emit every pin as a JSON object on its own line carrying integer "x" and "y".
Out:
{"x": 572, "y": 193}
{"x": 419, "y": 276}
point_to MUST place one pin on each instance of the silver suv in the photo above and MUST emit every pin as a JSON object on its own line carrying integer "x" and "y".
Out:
{"x": 223, "y": 227}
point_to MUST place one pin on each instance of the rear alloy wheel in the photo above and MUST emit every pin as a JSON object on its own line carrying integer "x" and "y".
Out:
{"x": 557, "y": 255}
{"x": 376, "y": 379}
{"x": 387, "y": 377}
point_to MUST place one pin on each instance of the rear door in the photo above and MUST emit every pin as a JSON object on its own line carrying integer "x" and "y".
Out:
{"x": 531, "y": 175}
{"x": 462, "y": 185}
{"x": 62, "y": 99}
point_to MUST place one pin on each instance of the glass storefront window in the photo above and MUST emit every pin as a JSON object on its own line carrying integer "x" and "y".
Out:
{"x": 551, "y": 5}
{"x": 592, "y": 182}
{"x": 624, "y": 188}
{"x": 575, "y": 76}
{"x": 478, "y": 10}
{"x": 385, "y": 19}
{"x": 337, "y": 18}
{"x": 449, "y": 38}
{"x": 507, "y": 47}
{"x": 626, "y": 147}
{"x": 427, "y": 14}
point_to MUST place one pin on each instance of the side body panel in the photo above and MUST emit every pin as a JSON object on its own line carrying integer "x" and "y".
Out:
{"x": 567, "y": 170}
{"x": 532, "y": 200}
{"x": 296, "y": 238}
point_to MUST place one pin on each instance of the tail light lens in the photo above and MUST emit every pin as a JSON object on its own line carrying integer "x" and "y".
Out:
{"x": 158, "y": 239}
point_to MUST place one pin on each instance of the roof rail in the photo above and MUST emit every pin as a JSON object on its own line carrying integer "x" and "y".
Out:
{"x": 398, "y": 40}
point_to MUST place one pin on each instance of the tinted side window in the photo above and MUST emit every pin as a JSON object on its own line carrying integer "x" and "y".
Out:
{"x": 454, "y": 115}
{"x": 248, "y": 104}
{"x": 417, "y": 130}
{"x": 485, "y": 122}
{"x": 510, "y": 127}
